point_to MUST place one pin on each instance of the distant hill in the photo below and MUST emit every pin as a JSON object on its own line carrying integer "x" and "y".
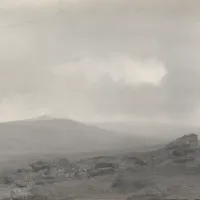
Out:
{"x": 154, "y": 132}
{"x": 46, "y": 134}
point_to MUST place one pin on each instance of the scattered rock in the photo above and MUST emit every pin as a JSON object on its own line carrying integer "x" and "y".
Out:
{"x": 101, "y": 172}
{"x": 63, "y": 163}
{"x": 28, "y": 197}
{"x": 184, "y": 145}
{"x": 102, "y": 168}
{"x": 81, "y": 173}
{"x": 20, "y": 184}
{"x": 40, "y": 165}
{"x": 132, "y": 164}
{"x": 134, "y": 160}
{"x": 127, "y": 182}
{"x": 21, "y": 170}
{"x": 101, "y": 165}
{"x": 147, "y": 194}
{"x": 130, "y": 174}
{"x": 182, "y": 160}
{"x": 18, "y": 193}
{"x": 7, "y": 180}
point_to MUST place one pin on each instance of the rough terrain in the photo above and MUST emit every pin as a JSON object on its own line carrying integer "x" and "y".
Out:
{"x": 170, "y": 172}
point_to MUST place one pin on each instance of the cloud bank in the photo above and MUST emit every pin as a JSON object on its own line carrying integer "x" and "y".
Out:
{"x": 100, "y": 59}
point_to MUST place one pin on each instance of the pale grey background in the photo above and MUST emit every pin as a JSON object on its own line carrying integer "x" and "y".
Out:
{"x": 100, "y": 60}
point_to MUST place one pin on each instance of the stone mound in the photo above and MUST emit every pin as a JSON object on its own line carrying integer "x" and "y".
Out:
{"x": 184, "y": 145}
{"x": 181, "y": 150}
{"x": 147, "y": 194}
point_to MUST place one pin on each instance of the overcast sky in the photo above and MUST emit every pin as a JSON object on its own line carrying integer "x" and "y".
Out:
{"x": 100, "y": 59}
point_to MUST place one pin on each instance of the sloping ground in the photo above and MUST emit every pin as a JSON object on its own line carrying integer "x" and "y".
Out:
{"x": 165, "y": 173}
{"x": 51, "y": 135}
{"x": 160, "y": 132}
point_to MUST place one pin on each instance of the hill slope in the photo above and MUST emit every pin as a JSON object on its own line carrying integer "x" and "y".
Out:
{"x": 51, "y": 135}
{"x": 153, "y": 131}
{"x": 171, "y": 172}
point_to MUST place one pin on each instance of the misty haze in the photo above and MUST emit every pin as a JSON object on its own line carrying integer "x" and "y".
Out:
{"x": 99, "y": 99}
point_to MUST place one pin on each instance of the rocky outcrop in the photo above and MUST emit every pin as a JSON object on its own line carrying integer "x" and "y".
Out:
{"x": 184, "y": 145}
{"x": 134, "y": 174}
{"x": 40, "y": 173}
{"x": 63, "y": 164}
{"x": 147, "y": 194}
{"x": 126, "y": 181}
{"x": 102, "y": 169}
{"x": 21, "y": 184}
{"x": 101, "y": 172}
{"x": 27, "y": 197}
{"x": 101, "y": 165}
{"x": 132, "y": 163}
{"x": 40, "y": 165}
{"x": 7, "y": 180}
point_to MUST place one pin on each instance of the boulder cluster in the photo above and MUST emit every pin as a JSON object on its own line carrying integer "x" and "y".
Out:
{"x": 184, "y": 145}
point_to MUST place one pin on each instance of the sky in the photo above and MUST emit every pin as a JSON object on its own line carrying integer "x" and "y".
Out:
{"x": 100, "y": 60}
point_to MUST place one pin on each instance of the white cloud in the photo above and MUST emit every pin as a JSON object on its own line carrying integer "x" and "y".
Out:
{"x": 96, "y": 30}
{"x": 120, "y": 68}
